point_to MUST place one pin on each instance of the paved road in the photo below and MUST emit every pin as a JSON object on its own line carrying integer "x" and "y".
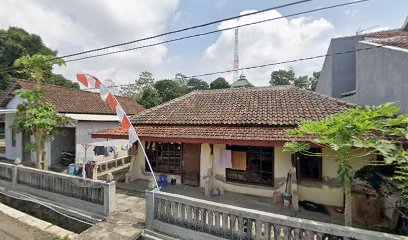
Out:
{"x": 12, "y": 229}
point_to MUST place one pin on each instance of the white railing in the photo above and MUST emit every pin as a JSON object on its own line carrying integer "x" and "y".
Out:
{"x": 113, "y": 165}
{"x": 191, "y": 218}
{"x": 93, "y": 196}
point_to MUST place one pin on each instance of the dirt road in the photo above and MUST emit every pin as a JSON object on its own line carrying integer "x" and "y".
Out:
{"x": 12, "y": 229}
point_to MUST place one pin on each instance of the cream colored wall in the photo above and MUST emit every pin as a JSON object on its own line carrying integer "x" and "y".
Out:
{"x": 282, "y": 166}
{"x": 327, "y": 193}
{"x": 320, "y": 192}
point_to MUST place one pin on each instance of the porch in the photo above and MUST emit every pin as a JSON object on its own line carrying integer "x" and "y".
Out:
{"x": 264, "y": 204}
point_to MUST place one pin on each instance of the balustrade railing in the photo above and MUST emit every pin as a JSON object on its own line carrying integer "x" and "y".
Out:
{"x": 230, "y": 222}
{"x": 6, "y": 172}
{"x": 86, "y": 194}
{"x": 113, "y": 165}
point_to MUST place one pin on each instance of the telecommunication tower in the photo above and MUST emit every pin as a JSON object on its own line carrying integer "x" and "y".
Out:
{"x": 236, "y": 57}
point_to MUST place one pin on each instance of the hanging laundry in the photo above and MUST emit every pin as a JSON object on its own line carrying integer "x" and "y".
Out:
{"x": 225, "y": 158}
{"x": 109, "y": 150}
{"x": 100, "y": 150}
{"x": 239, "y": 160}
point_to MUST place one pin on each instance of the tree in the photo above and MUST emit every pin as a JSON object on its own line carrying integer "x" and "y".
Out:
{"x": 168, "y": 89}
{"x": 182, "y": 80}
{"x": 150, "y": 98}
{"x": 364, "y": 128}
{"x": 313, "y": 80}
{"x": 135, "y": 91}
{"x": 282, "y": 77}
{"x": 219, "y": 83}
{"x": 196, "y": 84}
{"x": 302, "y": 82}
{"x": 35, "y": 116}
{"x": 15, "y": 43}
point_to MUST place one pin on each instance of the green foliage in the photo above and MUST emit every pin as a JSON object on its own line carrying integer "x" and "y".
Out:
{"x": 135, "y": 91}
{"x": 219, "y": 83}
{"x": 169, "y": 89}
{"x": 401, "y": 178}
{"x": 367, "y": 128}
{"x": 282, "y": 77}
{"x": 196, "y": 84}
{"x": 15, "y": 43}
{"x": 35, "y": 116}
{"x": 288, "y": 77}
{"x": 150, "y": 98}
{"x": 36, "y": 67}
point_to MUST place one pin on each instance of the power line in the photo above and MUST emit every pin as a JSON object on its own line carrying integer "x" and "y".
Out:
{"x": 269, "y": 64}
{"x": 216, "y": 31}
{"x": 185, "y": 29}
{"x": 200, "y": 34}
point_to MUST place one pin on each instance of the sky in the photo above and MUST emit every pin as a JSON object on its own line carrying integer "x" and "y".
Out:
{"x": 77, "y": 25}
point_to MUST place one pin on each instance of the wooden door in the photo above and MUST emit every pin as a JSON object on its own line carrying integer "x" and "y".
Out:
{"x": 191, "y": 164}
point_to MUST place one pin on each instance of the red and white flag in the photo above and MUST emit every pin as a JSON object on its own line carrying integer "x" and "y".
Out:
{"x": 92, "y": 82}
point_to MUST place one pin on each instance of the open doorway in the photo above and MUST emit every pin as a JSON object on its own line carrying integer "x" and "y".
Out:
{"x": 63, "y": 145}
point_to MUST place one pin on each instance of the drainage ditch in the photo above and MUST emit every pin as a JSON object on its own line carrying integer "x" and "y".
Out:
{"x": 45, "y": 213}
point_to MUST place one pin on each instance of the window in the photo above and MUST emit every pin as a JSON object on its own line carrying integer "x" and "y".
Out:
{"x": 259, "y": 166}
{"x": 309, "y": 167}
{"x": 13, "y": 137}
{"x": 164, "y": 157}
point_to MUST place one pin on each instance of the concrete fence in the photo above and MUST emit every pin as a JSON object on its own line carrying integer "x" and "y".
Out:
{"x": 113, "y": 165}
{"x": 191, "y": 218}
{"x": 92, "y": 196}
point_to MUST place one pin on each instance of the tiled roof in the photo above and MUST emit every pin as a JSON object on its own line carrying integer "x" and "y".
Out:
{"x": 269, "y": 134}
{"x": 69, "y": 100}
{"x": 260, "y": 106}
{"x": 395, "y": 38}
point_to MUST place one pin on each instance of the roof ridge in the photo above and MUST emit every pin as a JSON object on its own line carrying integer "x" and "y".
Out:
{"x": 244, "y": 89}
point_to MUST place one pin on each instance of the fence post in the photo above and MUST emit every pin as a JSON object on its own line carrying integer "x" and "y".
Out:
{"x": 109, "y": 198}
{"x": 149, "y": 210}
{"x": 14, "y": 174}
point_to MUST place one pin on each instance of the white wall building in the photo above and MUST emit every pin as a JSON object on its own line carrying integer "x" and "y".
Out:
{"x": 88, "y": 113}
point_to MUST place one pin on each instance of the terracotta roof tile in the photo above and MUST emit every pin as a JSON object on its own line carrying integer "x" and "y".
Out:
{"x": 69, "y": 100}
{"x": 395, "y": 38}
{"x": 269, "y": 134}
{"x": 261, "y": 106}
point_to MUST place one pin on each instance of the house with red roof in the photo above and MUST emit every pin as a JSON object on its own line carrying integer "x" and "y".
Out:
{"x": 87, "y": 111}
{"x": 235, "y": 137}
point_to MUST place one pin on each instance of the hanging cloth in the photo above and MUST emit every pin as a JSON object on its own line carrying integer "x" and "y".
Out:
{"x": 239, "y": 160}
{"x": 225, "y": 158}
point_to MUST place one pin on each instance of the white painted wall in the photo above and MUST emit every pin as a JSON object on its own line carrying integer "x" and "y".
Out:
{"x": 83, "y": 136}
{"x": 17, "y": 151}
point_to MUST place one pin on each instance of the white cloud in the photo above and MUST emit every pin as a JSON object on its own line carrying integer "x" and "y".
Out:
{"x": 269, "y": 42}
{"x": 76, "y": 25}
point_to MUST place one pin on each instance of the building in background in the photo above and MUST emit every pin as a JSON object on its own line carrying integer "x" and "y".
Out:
{"x": 374, "y": 72}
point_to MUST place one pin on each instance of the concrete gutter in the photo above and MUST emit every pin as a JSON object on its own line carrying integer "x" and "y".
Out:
{"x": 35, "y": 222}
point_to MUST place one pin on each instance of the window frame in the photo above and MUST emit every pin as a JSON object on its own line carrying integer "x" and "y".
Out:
{"x": 163, "y": 159}
{"x": 13, "y": 137}
{"x": 320, "y": 165}
{"x": 248, "y": 171}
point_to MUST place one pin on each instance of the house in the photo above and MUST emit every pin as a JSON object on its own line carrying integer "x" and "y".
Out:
{"x": 182, "y": 137}
{"x": 242, "y": 82}
{"x": 375, "y": 74}
{"x": 87, "y": 110}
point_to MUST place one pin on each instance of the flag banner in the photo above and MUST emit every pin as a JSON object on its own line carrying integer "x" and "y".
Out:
{"x": 92, "y": 82}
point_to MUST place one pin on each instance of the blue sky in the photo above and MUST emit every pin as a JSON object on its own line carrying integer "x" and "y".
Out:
{"x": 76, "y": 25}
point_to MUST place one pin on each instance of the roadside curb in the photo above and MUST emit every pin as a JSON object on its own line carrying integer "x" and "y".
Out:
{"x": 35, "y": 222}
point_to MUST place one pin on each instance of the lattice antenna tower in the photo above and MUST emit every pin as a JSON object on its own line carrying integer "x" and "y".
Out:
{"x": 236, "y": 58}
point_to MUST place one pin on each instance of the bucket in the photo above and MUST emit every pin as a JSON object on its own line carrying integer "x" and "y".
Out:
{"x": 71, "y": 169}
{"x": 221, "y": 191}
{"x": 287, "y": 199}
